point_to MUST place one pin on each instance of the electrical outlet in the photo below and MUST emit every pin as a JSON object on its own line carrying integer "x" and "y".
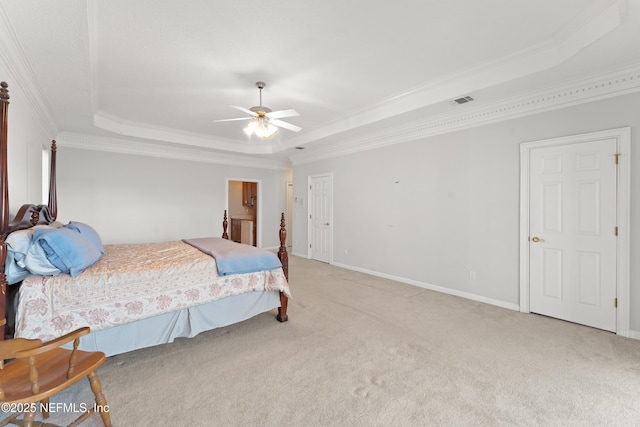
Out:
{"x": 472, "y": 275}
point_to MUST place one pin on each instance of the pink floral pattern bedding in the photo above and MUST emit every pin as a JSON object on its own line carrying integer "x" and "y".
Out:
{"x": 131, "y": 282}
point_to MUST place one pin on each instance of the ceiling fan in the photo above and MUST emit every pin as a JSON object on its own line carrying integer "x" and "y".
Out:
{"x": 264, "y": 122}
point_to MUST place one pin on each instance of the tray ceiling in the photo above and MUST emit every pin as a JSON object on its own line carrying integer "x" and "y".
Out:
{"x": 160, "y": 71}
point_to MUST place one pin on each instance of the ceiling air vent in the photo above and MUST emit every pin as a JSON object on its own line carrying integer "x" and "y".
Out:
{"x": 462, "y": 100}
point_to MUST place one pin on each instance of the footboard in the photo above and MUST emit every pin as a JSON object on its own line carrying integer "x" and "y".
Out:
{"x": 282, "y": 255}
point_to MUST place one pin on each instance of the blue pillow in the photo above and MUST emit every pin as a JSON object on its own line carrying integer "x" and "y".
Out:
{"x": 88, "y": 232}
{"x": 36, "y": 262}
{"x": 67, "y": 250}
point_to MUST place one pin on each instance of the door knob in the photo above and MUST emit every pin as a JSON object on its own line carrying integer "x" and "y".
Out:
{"x": 537, "y": 239}
{"x": 326, "y": 223}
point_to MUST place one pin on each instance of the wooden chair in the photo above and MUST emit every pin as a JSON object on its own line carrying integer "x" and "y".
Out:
{"x": 39, "y": 371}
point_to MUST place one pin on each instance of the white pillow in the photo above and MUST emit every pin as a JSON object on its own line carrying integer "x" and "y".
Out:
{"x": 18, "y": 242}
{"x": 27, "y": 255}
{"x": 17, "y": 247}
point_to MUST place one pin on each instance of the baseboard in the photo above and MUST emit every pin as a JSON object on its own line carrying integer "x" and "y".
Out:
{"x": 300, "y": 255}
{"x": 634, "y": 334}
{"x": 431, "y": 287}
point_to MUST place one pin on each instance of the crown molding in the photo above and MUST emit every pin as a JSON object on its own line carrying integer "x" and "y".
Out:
{"x": 123, "y": 146}
{"x": 601, "y": 18}
{"x": 15, "y": 61}
{"x": 588, "y": 89}
{"x": 123, "y": 127}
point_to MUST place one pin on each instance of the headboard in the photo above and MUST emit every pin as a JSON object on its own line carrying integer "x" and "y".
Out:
{"x": 28, "y": 215}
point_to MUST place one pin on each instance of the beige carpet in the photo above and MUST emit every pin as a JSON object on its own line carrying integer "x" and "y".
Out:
{"x": 364, "y": 351}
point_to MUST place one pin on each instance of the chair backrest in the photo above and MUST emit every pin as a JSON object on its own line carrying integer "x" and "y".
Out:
{"x": 21, "y": 348}
{"x": 9, "y": 348}
{"x": 39, "y": 371}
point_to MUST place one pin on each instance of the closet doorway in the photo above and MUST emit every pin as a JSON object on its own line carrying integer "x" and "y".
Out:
{"x": 574, "y": 229}
{"x": 244, "y": 211}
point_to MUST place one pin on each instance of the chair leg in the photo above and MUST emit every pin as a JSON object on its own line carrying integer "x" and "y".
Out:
{"x": 101, "y": 401}
{"x": 10, "y": 420}
{"x": 45, "y": 408}
{"x": 28, "y": 418}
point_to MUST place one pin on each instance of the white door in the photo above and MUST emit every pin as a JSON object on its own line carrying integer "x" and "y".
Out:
{"x": 572, "y": 231}
{"x": 320, "y": 195}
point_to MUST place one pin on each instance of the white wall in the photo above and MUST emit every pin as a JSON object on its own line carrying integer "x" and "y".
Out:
{"x": 432, "y": 210}
{"x": 26, "y": 138}
{"x": 135, "y": 199}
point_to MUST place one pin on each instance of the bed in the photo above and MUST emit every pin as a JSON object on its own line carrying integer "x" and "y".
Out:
{"x": 131, "y": 296}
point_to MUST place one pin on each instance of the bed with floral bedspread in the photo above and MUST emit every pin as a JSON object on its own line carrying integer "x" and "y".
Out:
{"x": 131, "y": 282}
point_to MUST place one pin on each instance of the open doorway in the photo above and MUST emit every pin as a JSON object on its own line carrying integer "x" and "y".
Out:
{"x": 243, "y": 208}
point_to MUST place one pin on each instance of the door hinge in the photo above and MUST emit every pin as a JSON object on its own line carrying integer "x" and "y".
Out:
{"x": 615, "y": 303}
{"x": 309, "y": 245}
{"x": 616, "y": 230}
{"x": 617, "y": 155}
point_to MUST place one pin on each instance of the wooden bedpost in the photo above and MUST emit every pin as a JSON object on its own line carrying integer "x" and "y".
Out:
{"x": 224, "y": 226}
{"x": 53, "y": 195}
{"x": 284, "y": 259}
{"x": 282, "y": 251}
{"x": 4, "y": 198}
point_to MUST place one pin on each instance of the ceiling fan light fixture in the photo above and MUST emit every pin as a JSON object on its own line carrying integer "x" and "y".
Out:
{"x": 261, "y": 128}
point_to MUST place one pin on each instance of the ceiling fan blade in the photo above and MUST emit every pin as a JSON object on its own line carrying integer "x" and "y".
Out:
{"x": 285, "y": 125}
{"x": 244, "y": 110}
{"x": 282, "y": 113}
{"x": 233, "y": 120}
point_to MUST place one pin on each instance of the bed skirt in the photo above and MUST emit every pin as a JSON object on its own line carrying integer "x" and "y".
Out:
{"x": 186, "y": 323}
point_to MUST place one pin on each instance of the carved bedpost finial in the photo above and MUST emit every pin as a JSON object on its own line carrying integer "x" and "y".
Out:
{"x": 4, "y": 92}
{"x": 224, "y": 226}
